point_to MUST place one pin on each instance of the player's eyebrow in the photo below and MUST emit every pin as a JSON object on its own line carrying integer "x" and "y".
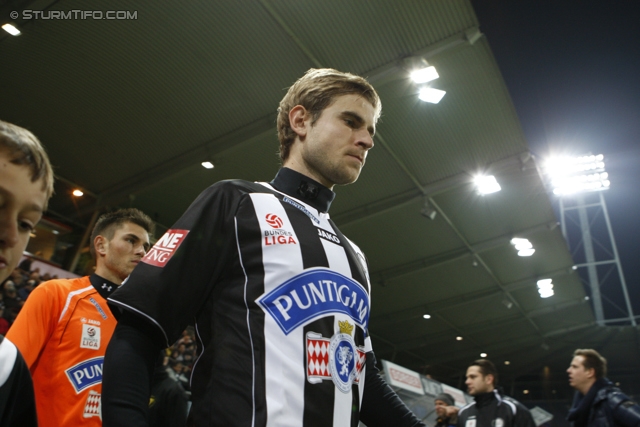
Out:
{"x": 357, "y": 118}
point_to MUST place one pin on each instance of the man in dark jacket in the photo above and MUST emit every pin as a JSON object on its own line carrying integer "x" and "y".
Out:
{"x": 597, "y": 403}
{"x": 490, "y": 407}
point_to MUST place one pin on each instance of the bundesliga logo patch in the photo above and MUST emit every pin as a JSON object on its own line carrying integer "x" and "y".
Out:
{"x": 165, "y": 247}
{"x": 90, "y": 337}
{"x": 277, "y": 236}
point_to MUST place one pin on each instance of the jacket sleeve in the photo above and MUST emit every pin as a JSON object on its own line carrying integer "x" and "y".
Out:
{"x": 625, "y": 411}
{"x": 523, "y": 417}
{"x": 381, "y": 406}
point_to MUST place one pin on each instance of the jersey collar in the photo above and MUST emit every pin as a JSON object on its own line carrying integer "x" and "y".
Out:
{"x": 103, "y": 286}
{"x": 303, "y": 188}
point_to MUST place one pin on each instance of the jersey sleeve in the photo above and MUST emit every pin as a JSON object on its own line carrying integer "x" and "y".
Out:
{"x": 175, "y": 277}
{"x": 35, "y": 322}
{"x": 381, "y": 406}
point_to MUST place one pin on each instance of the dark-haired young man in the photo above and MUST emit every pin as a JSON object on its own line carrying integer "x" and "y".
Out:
{"x": 26, "y": 184}
{"x": 597, "y": 402}
{"x": 64, "y": 327}
{"x": 279, "y": 296}
{"x": 490, "y": 407}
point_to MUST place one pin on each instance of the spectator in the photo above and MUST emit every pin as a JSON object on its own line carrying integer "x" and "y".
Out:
{"x": 597, "y": 402}
{"x": 446, "y": 410}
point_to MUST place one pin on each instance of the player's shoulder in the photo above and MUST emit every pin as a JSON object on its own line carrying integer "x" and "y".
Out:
{"x": 514, "y": 403}
{"x": 233, "y": 188}
{"x": 466, "y": 408}
{"x": 62, "y": 286}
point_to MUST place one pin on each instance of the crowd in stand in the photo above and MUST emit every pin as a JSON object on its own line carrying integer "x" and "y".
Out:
{"x": 15, "y": 291}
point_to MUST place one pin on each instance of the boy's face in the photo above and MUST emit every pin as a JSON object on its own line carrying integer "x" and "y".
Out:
{"x": 21, "y": 205}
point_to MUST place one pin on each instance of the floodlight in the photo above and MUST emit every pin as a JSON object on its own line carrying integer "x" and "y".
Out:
{"x": 487, "y": 184}
{"x": 428, "y": 94}
{"x": 424, "y": 75}
{"x": 207, "y": 165}
{"x": 577, "y": 175}
{"x": 427, "y": 316}
{"x": 526, "y": 252}
{"x": 483, "y": 354}
{"x": 545, "y": 288}
{"x": 11, "y": 29}
{"x": 77, "y": 193}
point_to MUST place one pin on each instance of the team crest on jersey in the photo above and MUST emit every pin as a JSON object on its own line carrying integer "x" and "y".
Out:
{"x": 165, "y": 247}
{"x": 93, "y": 405}
{"x": 86, "y": 373}
{"x": 277, "y": 235}
{"x": 90, "y": 337}
{"x": 315, "y": 293}
{"x": 337, "y": 358}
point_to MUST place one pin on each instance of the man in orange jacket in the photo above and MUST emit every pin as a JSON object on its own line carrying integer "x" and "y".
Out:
{"x": 64, "y": 327}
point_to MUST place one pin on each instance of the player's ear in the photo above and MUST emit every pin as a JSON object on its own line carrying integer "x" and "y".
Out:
{"x": 298, "y": 117}
{"x": 101, "y": 244}
{"x": 489, "y": 379}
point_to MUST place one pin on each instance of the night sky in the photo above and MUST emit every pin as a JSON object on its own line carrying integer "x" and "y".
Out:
{"x": 573, "y": 72}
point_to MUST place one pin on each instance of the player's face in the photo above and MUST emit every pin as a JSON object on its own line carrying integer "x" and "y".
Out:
{"x": 21, "y": 206}
{"x": 441, "y": 408}
{"x": 335, "y": 148}
{"x": 478, "y": 383}
{"x": 124, "y": 251}
{"x": 579, "y": 376}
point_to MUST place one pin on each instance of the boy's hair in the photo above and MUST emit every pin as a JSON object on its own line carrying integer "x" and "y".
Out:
{"x": 23, "y": 148}
{"x": 593, "y": 360}
{"x": 315, "y": 91}
{"x": 487, "y": 367}
{"x": 108, "y": 223}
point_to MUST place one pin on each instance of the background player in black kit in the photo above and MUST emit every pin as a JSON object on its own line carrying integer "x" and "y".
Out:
{"x": 280, "y": 298}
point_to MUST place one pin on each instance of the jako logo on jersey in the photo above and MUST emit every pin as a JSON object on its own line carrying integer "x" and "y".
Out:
{"x": 85, "y": 374}
{"x": 328, "y": 236}
{"x": 274, "y": 221}
{"x": 315, "y": 293}
{"x": 165, "y": 247}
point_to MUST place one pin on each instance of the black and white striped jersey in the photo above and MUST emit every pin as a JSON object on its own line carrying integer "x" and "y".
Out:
{"x": 280, "y": 299}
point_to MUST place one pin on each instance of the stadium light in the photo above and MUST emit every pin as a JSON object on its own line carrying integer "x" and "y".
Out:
{"x": 487, "y": 184}
{"x": 424, "y": 75}
{"x": 545, "y": 288}
{"x": 523, "y": 246}
{"x": 11, "y": 29}
{"x": 429, "y": 94}
{"x": 572, "y": 175}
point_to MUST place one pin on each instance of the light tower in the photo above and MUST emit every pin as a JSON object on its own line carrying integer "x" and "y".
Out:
{"x": 579, "y": 184}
